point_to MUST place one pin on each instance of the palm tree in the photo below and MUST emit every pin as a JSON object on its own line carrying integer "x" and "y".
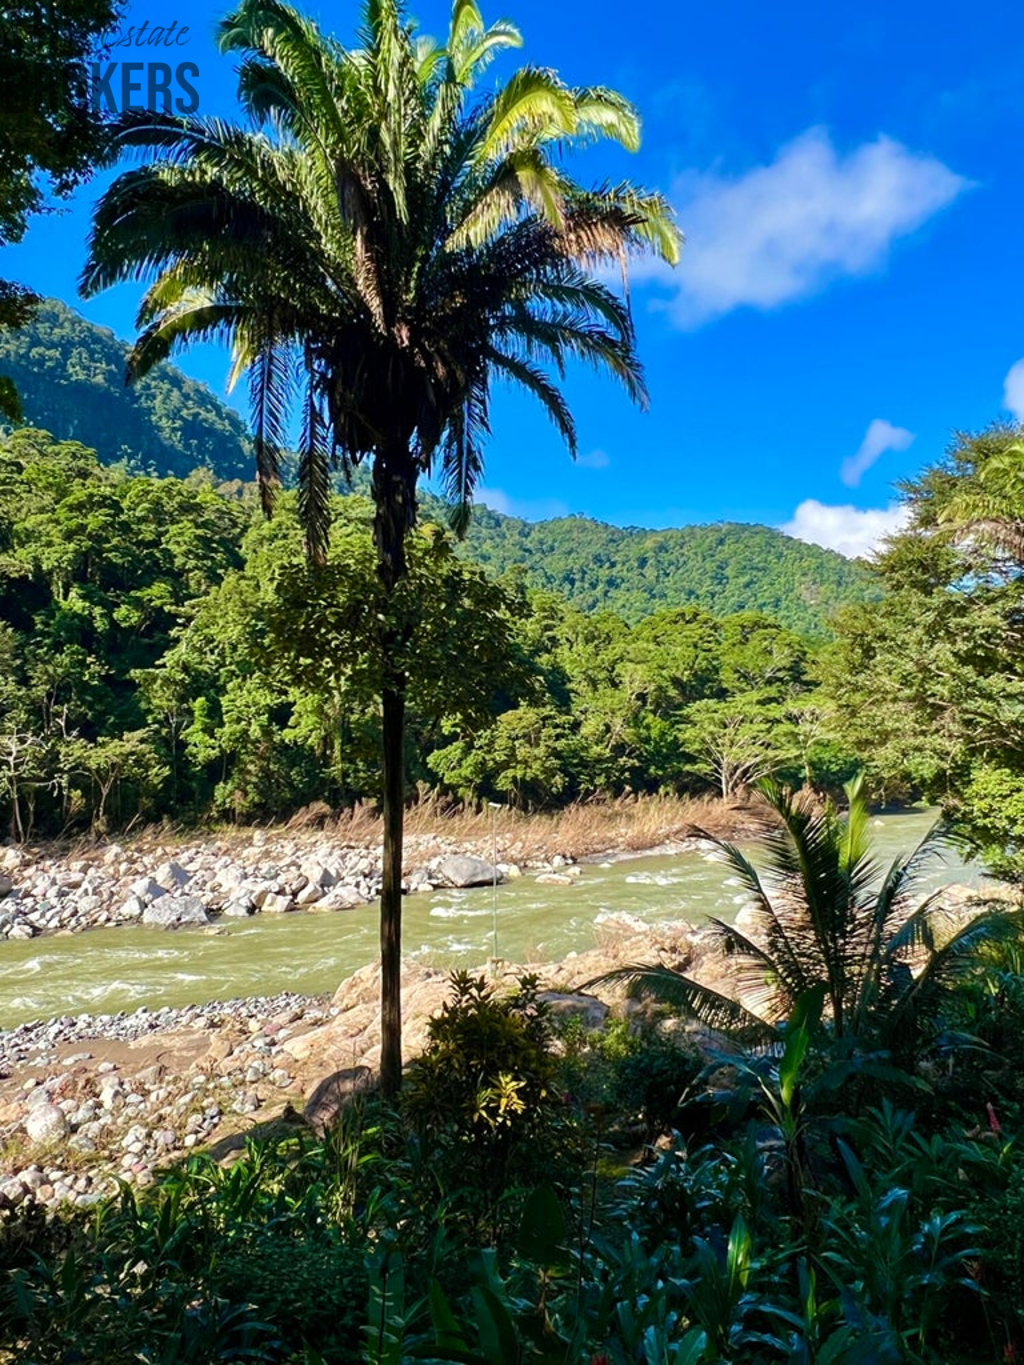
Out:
{"x": 377, "y": 249}
{"x": 825, "y": 917}
{"x": 989, "y": 507}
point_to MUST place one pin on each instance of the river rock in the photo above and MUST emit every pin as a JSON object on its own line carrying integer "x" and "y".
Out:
{"x": 146, "y": 889}
{"x": 577, "y": 1005}
{"x": 6, "y": 884}
{"x": 171, "y": 911}
{"x": 462, "y": 869}
{"x": 317, "y": 875}
{"x": 46, "y": 1123}
{"x": 333, "y": 1094}
{"x": 171, "y": 876}
{"x": 309, "y": 895}
{"x": 239, "y": 909}
{"x": 275, "y": 904}
{"x": 132, "y": 908}
{"x": 341, "y": 898}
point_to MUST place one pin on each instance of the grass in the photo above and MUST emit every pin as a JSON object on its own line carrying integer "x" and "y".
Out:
{"x": 584, "y": 829}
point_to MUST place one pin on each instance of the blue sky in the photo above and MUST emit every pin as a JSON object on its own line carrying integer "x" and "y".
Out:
{"x": 851, "y": 291}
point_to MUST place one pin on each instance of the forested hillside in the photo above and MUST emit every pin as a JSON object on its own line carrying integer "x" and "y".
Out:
{"x": 723, "y": 569}
{"x": 70, "y": 374}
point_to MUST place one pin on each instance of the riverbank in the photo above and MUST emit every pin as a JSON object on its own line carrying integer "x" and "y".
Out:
{"x": 90, "y": 1100}
{"x": 322, "y": 862}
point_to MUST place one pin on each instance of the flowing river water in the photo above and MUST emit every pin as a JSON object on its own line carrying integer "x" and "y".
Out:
{"x": 107, "y": 970}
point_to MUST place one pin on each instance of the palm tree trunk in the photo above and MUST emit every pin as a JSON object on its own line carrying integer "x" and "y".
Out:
{"x": 393, "y": 763}
{"x": 394, "y": 496}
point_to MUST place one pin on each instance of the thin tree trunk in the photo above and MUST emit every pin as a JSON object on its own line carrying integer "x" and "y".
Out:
{"x": 393, "y": 765}
{"x": 394, "y": 496}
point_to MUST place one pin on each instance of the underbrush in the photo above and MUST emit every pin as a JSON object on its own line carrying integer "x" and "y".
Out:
{"x": 534, "y": 1200}
{"x": 629, "y": 824}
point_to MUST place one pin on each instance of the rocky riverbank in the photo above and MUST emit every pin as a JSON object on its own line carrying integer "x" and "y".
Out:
{"x": 90, "y": 1100}
{"x": 42, "y": 891}
{"x": 174, "y": 881}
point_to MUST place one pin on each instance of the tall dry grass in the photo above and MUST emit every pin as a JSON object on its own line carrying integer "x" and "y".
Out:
{"x": 627, "y": 825}
{"x": 581, "y": 830}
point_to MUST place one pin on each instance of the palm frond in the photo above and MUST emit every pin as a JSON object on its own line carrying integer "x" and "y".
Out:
{"x": 681, "y": 992}
{"x": 270, "y": 391}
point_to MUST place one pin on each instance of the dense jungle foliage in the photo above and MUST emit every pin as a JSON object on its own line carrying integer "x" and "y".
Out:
{"x": 70, "y": 377}
{"x": 165, "y": 650}
{"x": 928, "y": 685}
{"x": 723, "y": 569}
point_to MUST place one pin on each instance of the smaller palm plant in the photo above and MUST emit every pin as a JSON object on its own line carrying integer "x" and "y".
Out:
{"x": 826, "y": 918}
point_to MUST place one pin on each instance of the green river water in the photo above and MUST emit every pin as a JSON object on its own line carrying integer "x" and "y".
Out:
{"x": 108, "y": 970}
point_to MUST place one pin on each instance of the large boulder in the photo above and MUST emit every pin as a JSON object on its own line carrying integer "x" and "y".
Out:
{"x": 342, "y": 897}
{"x": 172, "y": 912}
{"x": 332, "y": 1095}
{"x": 277, "y": 903}
{"x": 146, "y": 888}
{"x": 239, "y": 908}
{"x": 590, "y": 1011}
{"x": 462, "y": 869}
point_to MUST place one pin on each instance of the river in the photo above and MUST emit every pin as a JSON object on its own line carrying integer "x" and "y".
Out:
{"x": 108, "y": 970}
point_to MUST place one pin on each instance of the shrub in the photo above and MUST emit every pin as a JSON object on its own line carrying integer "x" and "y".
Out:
{"x": 484, "y": 1094}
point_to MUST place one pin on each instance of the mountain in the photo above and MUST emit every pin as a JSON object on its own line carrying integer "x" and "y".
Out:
{"x": 726, "y": 568}
{"x": 70, "y": 377}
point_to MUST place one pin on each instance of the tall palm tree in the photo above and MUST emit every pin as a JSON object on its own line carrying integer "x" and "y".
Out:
{"x": 378, "y": 248}
{"x": 825, "y": 916}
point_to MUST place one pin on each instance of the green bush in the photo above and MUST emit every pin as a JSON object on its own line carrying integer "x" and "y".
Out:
{"x": 484, "y": 1096}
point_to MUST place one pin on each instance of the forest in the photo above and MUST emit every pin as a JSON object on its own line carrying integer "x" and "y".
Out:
{"x": 70, "y": 376}
{"x": 166, "y": 651}
{"x": 70, "y": 379}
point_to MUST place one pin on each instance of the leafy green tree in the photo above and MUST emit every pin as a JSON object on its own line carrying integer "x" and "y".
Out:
{"x": 737, "y": 742}
{"x": 825, "y": 916}
{"x": 929, "y": 686}
{"x": 401, "y": 243}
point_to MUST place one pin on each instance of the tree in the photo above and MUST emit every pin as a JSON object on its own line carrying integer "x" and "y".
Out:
{"x": 929, "y": 684}
{"x": 382, "y": 249}
{"x": 737, "y": 742}
{"x": 48, "y": 127}
{"x": 825, "y": 917}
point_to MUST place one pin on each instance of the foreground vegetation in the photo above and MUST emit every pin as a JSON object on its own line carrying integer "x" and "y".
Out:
{"x": 637, "y": 1193}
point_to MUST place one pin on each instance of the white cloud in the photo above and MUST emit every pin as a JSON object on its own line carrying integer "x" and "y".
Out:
{"x": 594, "y": 459}
{"x": 784, "y": 231}
{"x": 879, "y": 437}
{"x": 537, "y": 509}
{"x": 1013, "y": 390}
{"x": 853, "y": 531}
